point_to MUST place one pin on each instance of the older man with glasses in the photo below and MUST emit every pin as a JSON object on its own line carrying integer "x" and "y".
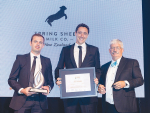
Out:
{"x": 118, "y": 80}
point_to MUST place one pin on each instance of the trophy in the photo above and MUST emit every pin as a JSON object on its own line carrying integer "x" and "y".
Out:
{"x": 38, "y": 83}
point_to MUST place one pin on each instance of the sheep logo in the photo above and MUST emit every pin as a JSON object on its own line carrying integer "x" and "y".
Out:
{"x": 58, "y": 15}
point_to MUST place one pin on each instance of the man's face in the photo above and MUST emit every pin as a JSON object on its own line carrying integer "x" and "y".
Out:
{"x": 37, "y": 44}
{"x": 81, "y": 35}
{"x": 116, "y": 51}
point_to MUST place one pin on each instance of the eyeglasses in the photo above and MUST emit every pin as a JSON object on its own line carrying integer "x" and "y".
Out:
{"x": 84, "y": 33}
{"x": 117, "y": 48}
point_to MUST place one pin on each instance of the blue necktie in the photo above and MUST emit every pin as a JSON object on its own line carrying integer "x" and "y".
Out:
{"x": 113, "y": 64}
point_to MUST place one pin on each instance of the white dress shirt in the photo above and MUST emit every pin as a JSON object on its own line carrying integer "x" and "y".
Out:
{"x": 76, "y": 53}
{"x": 110, "y": 78}
{"x": 37, "y": 67}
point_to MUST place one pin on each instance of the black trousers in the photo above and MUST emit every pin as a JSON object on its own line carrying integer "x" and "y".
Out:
{"x": 32, "y": 105}
{"x": 110, "y": 108}
{"x": 81, "y": 108}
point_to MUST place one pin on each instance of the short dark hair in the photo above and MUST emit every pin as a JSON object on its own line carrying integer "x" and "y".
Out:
{"x": 82, "y": 25}
{"x": 39, "y": 35}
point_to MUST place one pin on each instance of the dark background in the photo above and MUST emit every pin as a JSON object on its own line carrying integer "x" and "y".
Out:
{"x": 56, "y": 104}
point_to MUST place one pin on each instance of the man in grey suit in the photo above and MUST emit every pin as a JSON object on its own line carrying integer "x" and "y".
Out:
{"x": 118, "y": 80}
{"x": 22, "y": 75}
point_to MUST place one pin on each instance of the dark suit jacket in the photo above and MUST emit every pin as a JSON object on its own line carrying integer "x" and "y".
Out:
{"x": 124, "y": 99}
{"x": 92, "y": 59}
{"x": 19, "y": 78}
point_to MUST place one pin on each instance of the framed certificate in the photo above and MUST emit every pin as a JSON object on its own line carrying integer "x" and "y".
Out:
{"x": 77, "y": 82}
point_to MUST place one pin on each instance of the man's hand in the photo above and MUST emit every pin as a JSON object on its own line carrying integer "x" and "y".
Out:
{"x": 119, "y": 84}
{"x": 96, "y": 81}
{"x": 47, "y": 88}
{"x": 101, "y": 89}
{"x": 27, "y": 92}
{"x": 58, "y": 82}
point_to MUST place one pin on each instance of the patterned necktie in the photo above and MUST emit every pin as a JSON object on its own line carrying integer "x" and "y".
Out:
{"x": 80, "y": 56}
{"x": 32, "y": 72}
{"x": 114, "y": 64}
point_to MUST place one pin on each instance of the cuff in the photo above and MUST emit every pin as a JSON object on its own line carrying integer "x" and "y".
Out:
{"x": 19, "y": 92}
{"x": 49, "y": 88}
{"x": 127, "y": 84}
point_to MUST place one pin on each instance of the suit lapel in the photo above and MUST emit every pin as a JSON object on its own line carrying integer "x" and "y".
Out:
{"x": 72, "y": 56}
{"x": 42, "y": 63}
{"x": 105, "y": 72}
{"x": 86, "y": 56}
{"x": 28, "y": 61}
{"x": 120, "y": 68}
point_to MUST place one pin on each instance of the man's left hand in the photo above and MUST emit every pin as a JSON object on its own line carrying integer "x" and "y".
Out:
{"x": 96, "y": 81}
{"x": 119, "y": 84}
{"x": 47, "y": 88}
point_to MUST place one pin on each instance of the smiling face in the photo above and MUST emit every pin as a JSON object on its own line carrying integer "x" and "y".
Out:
{"x": 81, "y": 35}
{"x": 116, "y": 51}
{"x": 36, "y": 45}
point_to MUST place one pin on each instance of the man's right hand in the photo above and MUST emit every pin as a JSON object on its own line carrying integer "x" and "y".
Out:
{"x": 58, "y": 82}
{"x": 27, "y": 92}
{"x": 101, "y": 89}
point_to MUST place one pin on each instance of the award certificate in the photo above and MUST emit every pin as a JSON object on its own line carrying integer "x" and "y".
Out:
{"x": 77, "y": 83}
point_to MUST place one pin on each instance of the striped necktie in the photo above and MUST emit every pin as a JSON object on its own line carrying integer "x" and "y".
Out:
{"x": 31, "y": 82}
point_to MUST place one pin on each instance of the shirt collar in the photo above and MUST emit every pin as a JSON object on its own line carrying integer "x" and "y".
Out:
{"x": 32, "y": 55}
{"x": 118, "y": 61}
{"x": 83, "y": 45}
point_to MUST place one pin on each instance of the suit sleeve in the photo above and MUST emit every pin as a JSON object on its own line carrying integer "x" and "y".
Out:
{"x": 136, "y": 75}
{"x": 102, "y": 77}
{"x": 50, "y": 77}
{"x": 60, "y": 64}
{"x": 14, "y": 75}
{"x": 97, "y": 64}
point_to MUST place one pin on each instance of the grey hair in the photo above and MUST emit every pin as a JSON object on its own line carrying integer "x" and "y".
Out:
{"x": 114, "y": 41}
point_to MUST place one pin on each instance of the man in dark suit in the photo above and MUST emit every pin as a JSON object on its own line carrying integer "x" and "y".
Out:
{"x": 119, "y": 78}
{"x": 77, "y": 57}
{"x": 21, "y": 79}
